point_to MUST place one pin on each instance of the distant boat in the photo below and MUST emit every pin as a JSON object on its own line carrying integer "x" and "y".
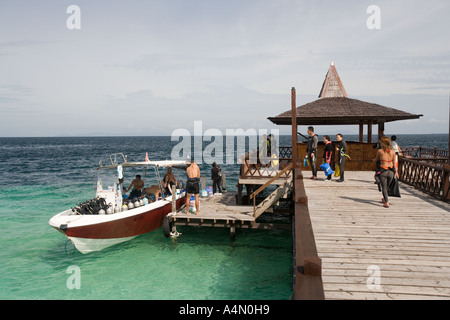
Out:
{"x": 106, "y": 220}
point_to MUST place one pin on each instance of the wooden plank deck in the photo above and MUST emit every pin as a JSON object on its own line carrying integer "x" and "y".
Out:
{"x": 408, "y": 243}
{"x": 217, "y": 211}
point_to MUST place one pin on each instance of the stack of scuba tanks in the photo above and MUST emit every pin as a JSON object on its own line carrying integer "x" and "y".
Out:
{"x": 92, "y": 207}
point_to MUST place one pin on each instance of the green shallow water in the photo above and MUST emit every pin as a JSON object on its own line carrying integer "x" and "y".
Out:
{"x": 40, "y": 177}
{"x": 201, "y": 264}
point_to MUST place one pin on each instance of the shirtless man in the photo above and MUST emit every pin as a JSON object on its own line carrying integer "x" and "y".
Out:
{"x": 192, "y": 185}
{"x": 138, "y": 184}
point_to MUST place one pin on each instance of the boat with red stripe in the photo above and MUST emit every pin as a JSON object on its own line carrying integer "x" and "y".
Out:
{"x": 109, "y": 219}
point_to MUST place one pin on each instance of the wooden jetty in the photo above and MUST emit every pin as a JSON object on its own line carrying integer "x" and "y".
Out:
{"x": 223, "y": 211}
{"x": 324, "y": 223}
{"x": 346, "y": 245}
{"x": 408, "y": 243}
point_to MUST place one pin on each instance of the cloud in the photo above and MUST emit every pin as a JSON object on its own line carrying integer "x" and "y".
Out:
{"x": 142, "y": 112}
{"x": 13, "y": 94}
{"x": 150, "y": 66}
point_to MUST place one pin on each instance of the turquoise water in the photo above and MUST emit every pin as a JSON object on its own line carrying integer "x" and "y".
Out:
{"x": 201, "y": 264}
{"x": 43, "y": 176}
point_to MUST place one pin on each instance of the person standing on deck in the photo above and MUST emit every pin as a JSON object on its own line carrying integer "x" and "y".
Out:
{"x": 216, "y": 179}
{"x": 342, "y": 155}
{"x": 397, "y": 150}
{"x": 328, "y": 153}
{"x": 273, "y": 146}
{"x": 386, "y": 156}
{"x": 311, "y": 151}
{"x": 192, "y": 185}
{"x": 264, "y": 150}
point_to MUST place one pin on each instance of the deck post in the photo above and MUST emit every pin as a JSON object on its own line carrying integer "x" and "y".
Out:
{"x": 232, "y": 233}
{"x": 294, "y": 130}
{"x": 203, "y": 182}
{"x": 224, "y": 182}
{"x": 239, "y": 195}
{"x": 174, "y": 198}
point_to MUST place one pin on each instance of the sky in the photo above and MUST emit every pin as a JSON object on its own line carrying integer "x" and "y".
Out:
{"x": 142, "y": 68}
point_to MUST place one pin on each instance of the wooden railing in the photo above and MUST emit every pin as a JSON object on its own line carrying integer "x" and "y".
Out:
{"x": 425, "y": 152}
{"x": 308, "y": 284}
{"x": 429, "y": 178}
{"x": 257, "y": 213}
{"x": 251, "y": 166}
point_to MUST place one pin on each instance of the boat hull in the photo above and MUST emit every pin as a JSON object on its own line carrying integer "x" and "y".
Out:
{"x": 94, "y": 233}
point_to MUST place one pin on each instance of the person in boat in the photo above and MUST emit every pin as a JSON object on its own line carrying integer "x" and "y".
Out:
{"x": 327, "y": 153}
{"x": 169, "y": 181}
{"x": 311, "y": 150}
{"x": 138, "y": 185}
{"x": 386, "y": 157}
{"x": 192, "y": 185}
{"x": 220, "y": 179}
{"x": 152, "y": 193}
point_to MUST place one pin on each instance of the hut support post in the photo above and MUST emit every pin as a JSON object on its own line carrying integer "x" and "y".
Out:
{"x": 380, "y": 130}
{"x": 361, "y": 131}
{"x": 369, "y": 132}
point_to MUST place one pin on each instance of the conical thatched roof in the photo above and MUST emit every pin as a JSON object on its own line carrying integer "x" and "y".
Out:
{"x": 332, "y": 86}
{"x": 345, "y": 111}
{"x": 335, "y": 108}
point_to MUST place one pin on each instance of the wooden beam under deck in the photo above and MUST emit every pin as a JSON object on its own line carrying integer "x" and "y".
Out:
{"x": 220, "y": 211}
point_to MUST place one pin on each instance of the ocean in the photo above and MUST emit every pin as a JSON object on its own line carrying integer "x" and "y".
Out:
{"x": 41, "y": 177}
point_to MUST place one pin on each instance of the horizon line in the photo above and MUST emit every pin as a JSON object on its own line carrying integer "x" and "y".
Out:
{"x": 142, "y": 136}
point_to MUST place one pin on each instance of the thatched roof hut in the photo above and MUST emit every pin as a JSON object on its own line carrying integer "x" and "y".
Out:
{"x": 334, "y": 108}
{"x": 342, "y": 111}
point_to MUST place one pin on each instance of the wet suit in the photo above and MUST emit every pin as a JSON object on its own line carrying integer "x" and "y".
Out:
{"x": 387, "y": 174}
{"x": 327, "y": 154}
{"x": 311, "y": 148}
{"x": 342, "y": 157}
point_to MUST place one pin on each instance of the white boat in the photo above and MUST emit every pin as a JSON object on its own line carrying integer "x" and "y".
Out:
{"x": 106, "y": 220}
